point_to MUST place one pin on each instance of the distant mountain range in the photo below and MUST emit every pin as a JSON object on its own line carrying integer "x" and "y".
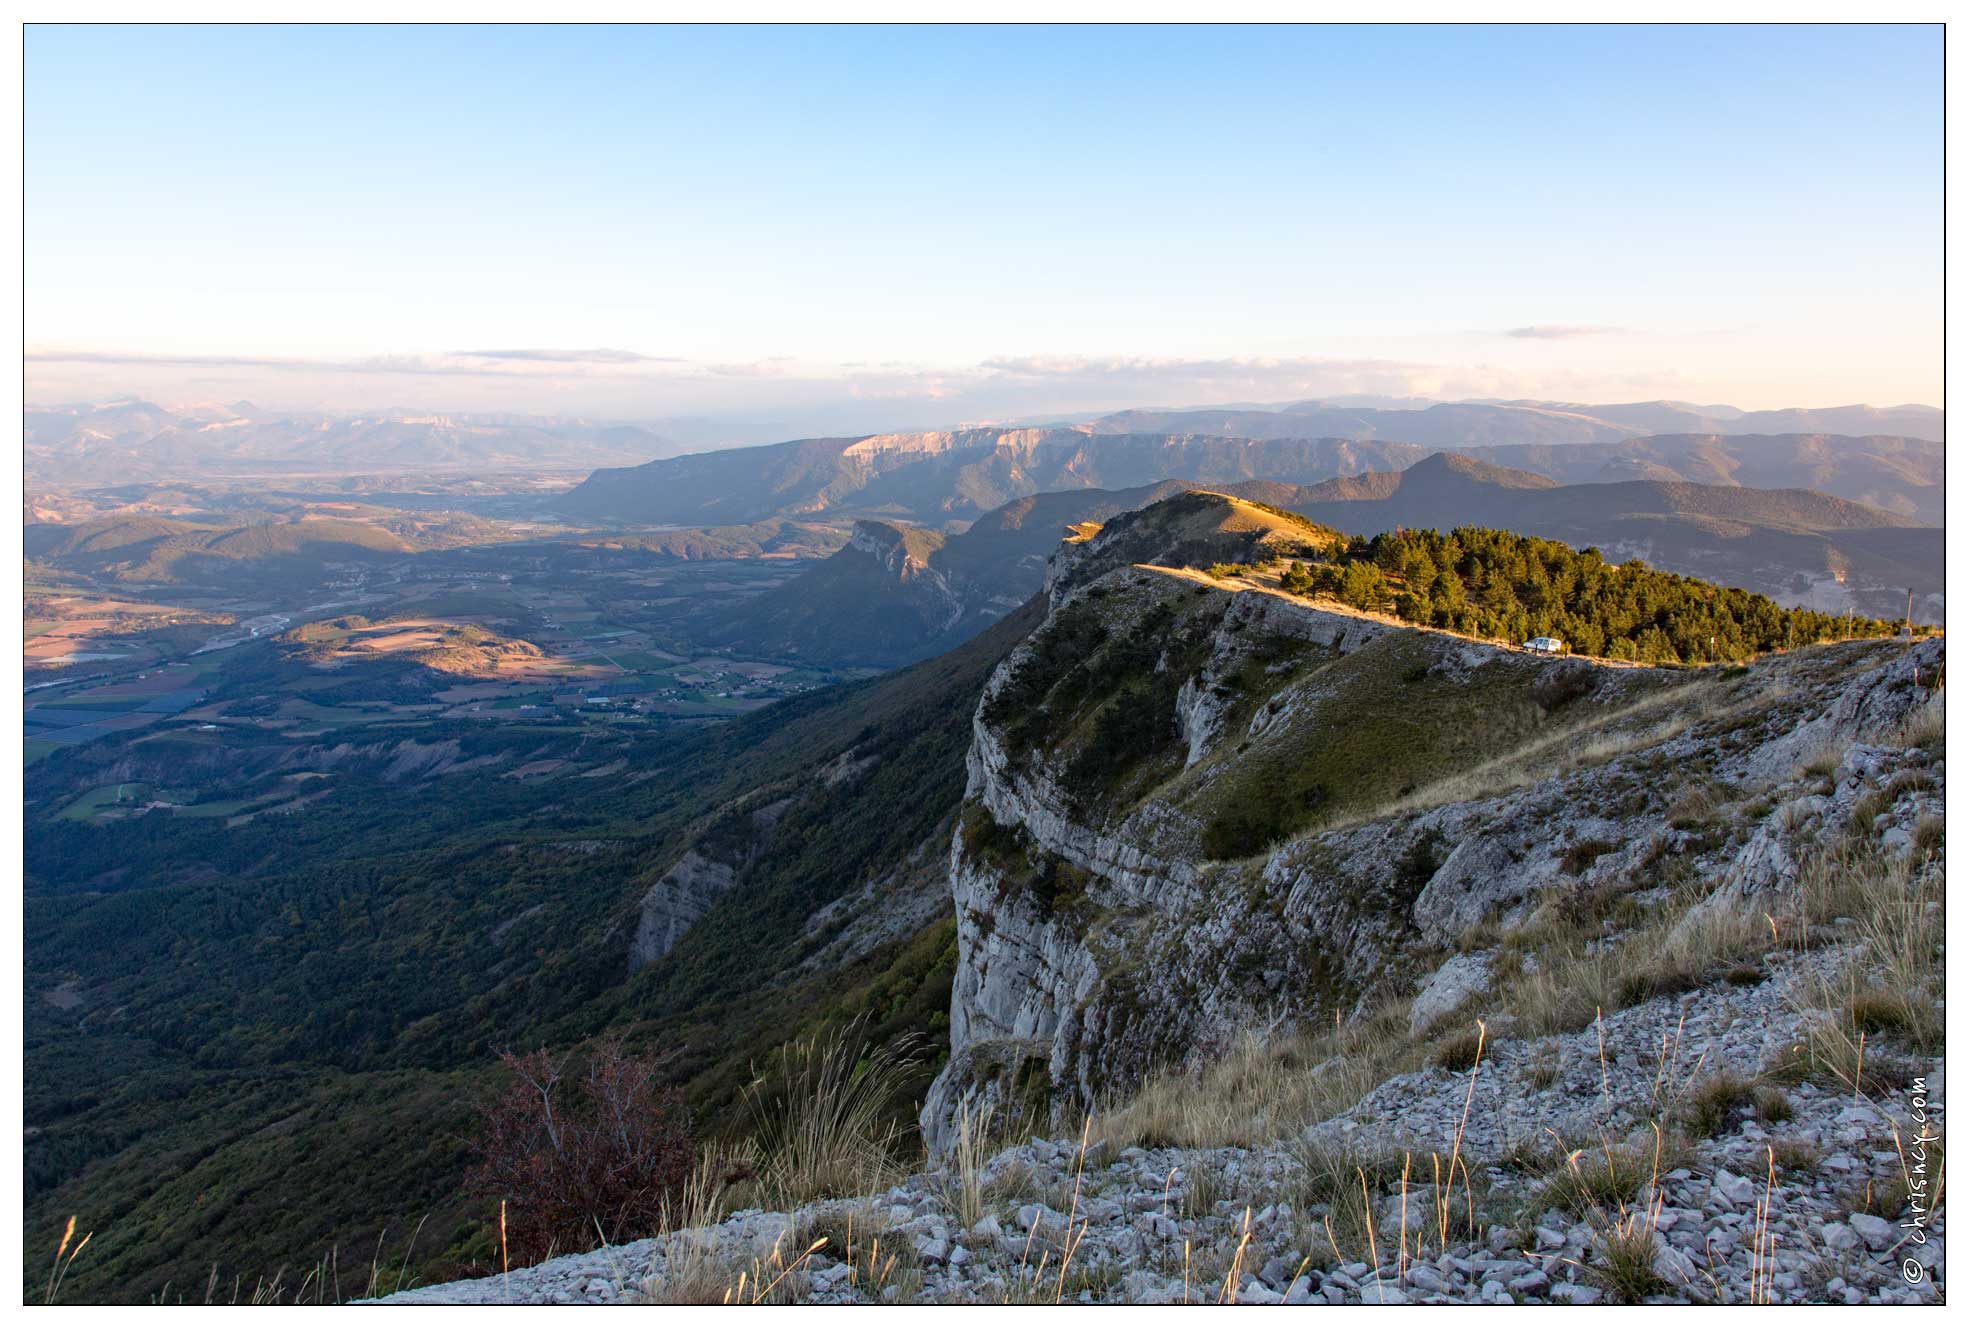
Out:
{"x": 640, "y": 477}
{"x": 119, "y": 442}
{"x": 1473, "y": 424}
{"x": 898, "y": 593}
{"x": 1895, "y": 474}
{"x": 940, "y": 478}
{"x": 952, "y": 475}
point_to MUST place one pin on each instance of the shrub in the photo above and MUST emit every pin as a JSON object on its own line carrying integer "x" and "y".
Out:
{"x": 606, "y": 1151}
{"x": 1561, "y": 684}
{"x": 1419, "y": 862}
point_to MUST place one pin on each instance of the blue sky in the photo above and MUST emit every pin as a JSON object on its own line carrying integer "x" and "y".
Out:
{"x": 984, "y": 221}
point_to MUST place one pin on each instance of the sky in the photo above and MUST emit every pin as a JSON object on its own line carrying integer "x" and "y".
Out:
{"x": 930, "y": 226}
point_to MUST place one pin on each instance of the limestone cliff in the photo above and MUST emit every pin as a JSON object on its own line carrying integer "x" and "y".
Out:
{"x": 697, "y": 880}
{"x": 1198, "y": 807}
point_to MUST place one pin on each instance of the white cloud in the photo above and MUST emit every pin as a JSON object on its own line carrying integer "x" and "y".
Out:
{"x": 1561, "y": 331}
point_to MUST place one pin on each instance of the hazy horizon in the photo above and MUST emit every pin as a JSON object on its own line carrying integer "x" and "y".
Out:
{"x": 850, "y": 416}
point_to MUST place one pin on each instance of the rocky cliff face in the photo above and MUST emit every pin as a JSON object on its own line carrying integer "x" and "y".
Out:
{"x": 697, "y": 880}
{"x": 1195, "y": 810}
{"x": 904, "y": 554}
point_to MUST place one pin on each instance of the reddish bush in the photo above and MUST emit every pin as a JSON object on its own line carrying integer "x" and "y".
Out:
{"x": 568, "y": 1155}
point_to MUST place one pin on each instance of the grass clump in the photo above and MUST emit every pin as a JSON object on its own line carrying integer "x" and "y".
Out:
{"x": 1795, "y": 1158}
{"x": 1339, "y": 1189}
{"x": 1713, "y": 1104}
{"x": 1889, "y": 994}
{"x": 1458, "y": 1051}
{"x": 1583, "y": 854}
{"x": 1262, "y": 1090}
{"x": 1924, "y": 727}
{"x": 973, "y": 1144}
{"x": 1542, "y": 1071}
{"x": 1881, "y": 1012}
{"x": 879, "y": 1257}
{"x": 1204, "y": 1188}
{"x": 1696, "y": 808}
{"x": 1886, "y": 1198}
{"x": 1603, "y": 1176}
{"x": 1625, "y": 1267}
{"x": 821, "y": 1119}
{"x": 1928, "y": 836}
{"x": 1773, "y": 1104}
{"x": 1822, "y": 763}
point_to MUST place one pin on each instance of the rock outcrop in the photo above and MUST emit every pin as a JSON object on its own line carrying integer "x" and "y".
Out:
{"x": 696, "y": 881}
{"x": 1153, "y": 860}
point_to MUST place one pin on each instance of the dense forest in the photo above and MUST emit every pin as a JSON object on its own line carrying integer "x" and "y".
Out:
{"x": 1495, "y": 584}
{"x": 228, "y": 1013}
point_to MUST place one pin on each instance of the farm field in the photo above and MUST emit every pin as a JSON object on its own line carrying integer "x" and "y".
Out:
{"x": 532, "y": 634}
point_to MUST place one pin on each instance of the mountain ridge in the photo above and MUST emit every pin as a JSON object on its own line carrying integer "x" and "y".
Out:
{"x": 935, "y": 478}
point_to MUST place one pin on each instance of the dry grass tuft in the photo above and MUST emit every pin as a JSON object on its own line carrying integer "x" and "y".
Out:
{"x": 1626, "y": 1264}
{"x": 1796, "y": 1158}
{"x": 1924, "y": 727}
{"x": 1262, "y": 1091}
{"x": 1697, "y": 807}
{"x": 820, "y": 1117}
{"x": 1542, "y": 1071}
{"x": 1603, "y": 1176}
{"x": 1928, "y": 836}
{"x": 1204, "y": 1188}
{"x": 1890, "y": 992}
{"x": 1823, "y": 762}
{"x": 1712, "y": 1106}
{"x": 971, "y": 1148}
{"x": 1458, "y": 1051}
{"x": 1340, "y": 1189}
